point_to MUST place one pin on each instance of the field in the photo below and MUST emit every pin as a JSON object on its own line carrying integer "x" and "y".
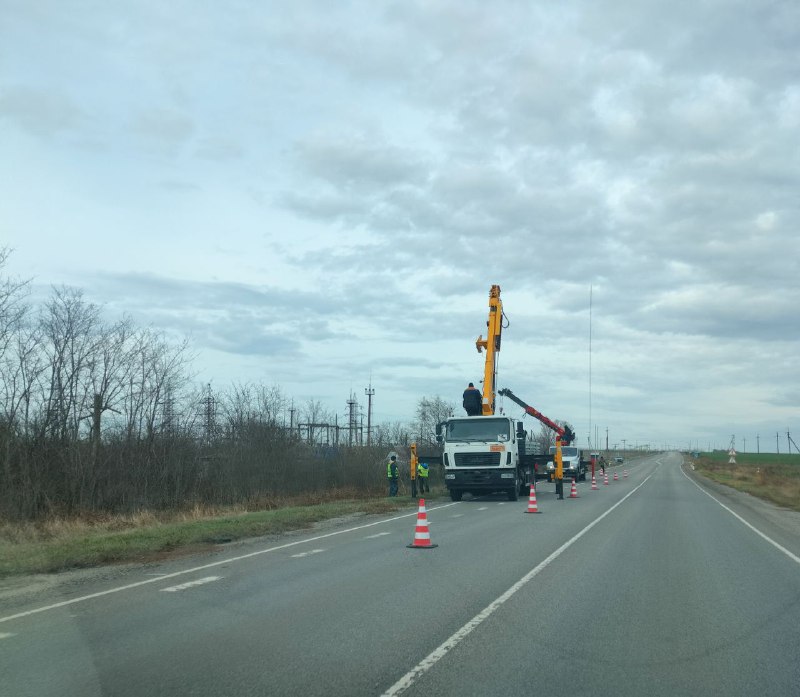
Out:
{"x": 769, "y": 476}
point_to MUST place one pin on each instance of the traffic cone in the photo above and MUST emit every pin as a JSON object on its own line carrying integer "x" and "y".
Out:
{"x": 532, "y": 507}
{"x": 422, "y": 536}
{"x": 594, "y": 483}
{"x": 616, "y": 476}
{"x": 573, "y": 492}
{"x": 624, "y": 474}
{"x": 605, "y": 479}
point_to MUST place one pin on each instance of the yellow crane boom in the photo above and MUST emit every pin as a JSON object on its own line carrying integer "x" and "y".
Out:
{"x": 492, "y": 345}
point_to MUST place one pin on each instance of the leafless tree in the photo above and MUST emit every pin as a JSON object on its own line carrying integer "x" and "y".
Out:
{"x": 69, "y": 327}
{"x": 12, "y": 303}
{"x": 431, "y": 411}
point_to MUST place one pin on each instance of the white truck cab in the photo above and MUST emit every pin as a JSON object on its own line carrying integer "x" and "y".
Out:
{"x": 572, "y": 459}
{"x": 484, "y": 455}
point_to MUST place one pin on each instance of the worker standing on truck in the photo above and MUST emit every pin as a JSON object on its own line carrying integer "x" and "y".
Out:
{"x": 391, "y": 474}
{"x": 473, "y": 402}
{"x": 422, "y": 475}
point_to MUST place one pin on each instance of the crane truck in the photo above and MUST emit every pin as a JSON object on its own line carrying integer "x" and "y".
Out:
{"x": 486, "y": 454}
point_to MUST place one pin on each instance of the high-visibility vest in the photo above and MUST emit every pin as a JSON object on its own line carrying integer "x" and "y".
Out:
{"x": 422, "y": 470}
{"x": 389, "y": 470}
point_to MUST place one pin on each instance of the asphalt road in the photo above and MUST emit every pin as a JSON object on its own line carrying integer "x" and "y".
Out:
{"x": 646, "y": 586}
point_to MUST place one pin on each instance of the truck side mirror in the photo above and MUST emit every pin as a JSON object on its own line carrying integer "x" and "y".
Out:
{"x": 520, "y": 430}
{"x": 438, "y": 429}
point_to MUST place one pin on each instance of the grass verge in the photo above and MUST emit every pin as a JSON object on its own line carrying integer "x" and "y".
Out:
{"x": 58, "y": 544}
{"x": 771, "y": 477}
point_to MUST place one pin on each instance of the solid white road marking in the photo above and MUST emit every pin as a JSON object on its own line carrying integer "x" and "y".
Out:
{"x": 484, "y": 508}
{"x": 305, "y": 554}
{"x": 449, "y": 644}
{"x": 377, "y": 534}
{"x": 5, "y": 635}
{"x": 191, "y": 584}
{"x": 211, "y": 565}
{"x": 758, "y": 532}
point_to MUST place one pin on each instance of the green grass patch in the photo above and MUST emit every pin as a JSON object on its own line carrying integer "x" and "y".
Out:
{"x": 67, "y": 544}
{"x": 770, "y": 476}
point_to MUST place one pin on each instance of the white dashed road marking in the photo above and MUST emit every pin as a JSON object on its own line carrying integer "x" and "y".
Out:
{"x": 305, "y": 554}
{"x": 222, "y": 562}
{"x": 379, "y": 534}
{"x": 191, "y": 584}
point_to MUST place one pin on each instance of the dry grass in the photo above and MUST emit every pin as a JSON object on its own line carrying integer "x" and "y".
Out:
{"x": 57, "y": 543}
{"x": 58, "y": 527}
{"x": 773, "y": 478}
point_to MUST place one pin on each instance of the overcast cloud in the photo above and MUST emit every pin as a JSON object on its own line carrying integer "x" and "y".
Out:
{"x": 321, "y": 192}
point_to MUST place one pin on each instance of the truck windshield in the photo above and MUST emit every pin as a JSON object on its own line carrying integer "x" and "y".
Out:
{"x": 479, "y": 429}
{"x": 565, "y": 452}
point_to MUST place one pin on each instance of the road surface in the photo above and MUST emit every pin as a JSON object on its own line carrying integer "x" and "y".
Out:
{"x": 645, "y": 586}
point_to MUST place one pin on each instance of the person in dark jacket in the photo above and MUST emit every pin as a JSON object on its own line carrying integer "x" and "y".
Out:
{"x": 392, "y": 475}
{"x": 473, "y": 402}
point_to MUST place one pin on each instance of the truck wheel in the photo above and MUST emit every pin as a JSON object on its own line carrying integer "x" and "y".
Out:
{"x": 456, "y": 495}
{"x": 512, "y": 494}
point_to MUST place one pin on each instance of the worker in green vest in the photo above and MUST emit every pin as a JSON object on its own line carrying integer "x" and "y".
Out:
{"x": 391, "y": 474}
{"x": 422, "y": 475}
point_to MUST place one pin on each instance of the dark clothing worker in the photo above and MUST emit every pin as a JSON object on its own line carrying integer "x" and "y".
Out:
{"x": 473, "y": 401}
{"x": 391, "y": 474}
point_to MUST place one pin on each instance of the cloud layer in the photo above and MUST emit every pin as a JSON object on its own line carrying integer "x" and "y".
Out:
{"x": 321, "y": 194}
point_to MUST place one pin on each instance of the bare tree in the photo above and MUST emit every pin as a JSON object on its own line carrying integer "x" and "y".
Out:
{"x": 431, "y": 411}
{"x": 316, "y": 418}
{"x": 69, "y": 328}
{"x": 547, "y": 436}
{"x": 159, "y": 371}
{"x": 12, "y": 303}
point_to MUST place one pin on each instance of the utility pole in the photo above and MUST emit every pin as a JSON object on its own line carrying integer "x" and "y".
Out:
{"x": 606, "y": 438}
{"x": 209, "y": 414}
{"x": 623, "y": 445}
{"x": 744, "y": 445}
{"x": 792, "y": 443}
{"x": 777, "y": 443}
{"x": 369, "y": 391}
{"x": 758, "y": 443}
{"x": 352, "y": 424}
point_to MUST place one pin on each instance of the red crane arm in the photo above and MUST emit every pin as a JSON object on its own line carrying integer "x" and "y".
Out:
{"x": 565, "y": 433}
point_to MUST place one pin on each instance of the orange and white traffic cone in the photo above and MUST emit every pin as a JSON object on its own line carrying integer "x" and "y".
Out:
{"x": 422, "y": 535}
{"x": 605, "y": 479}
{"x": 616, "y": 476}
{"x": 573, "y": 492}
{"x": 594, "y": 483}
{"x": 532, "y": 507}
{"x": 624, "y": 474}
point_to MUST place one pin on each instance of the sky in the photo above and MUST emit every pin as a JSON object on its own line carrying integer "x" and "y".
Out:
{"x": 321, "y": 195}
